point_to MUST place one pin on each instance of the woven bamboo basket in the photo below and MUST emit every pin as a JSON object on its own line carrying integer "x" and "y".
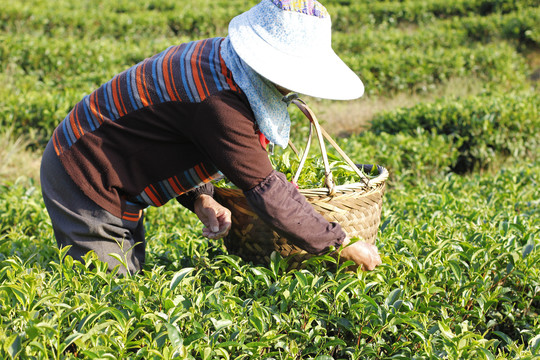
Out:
{"x": 356, "y": 207}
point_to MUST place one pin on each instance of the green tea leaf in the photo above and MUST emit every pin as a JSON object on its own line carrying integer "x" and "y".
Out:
{"x": 344, "y": 285}
{"x": 503, "y": 336}
{"x": 174, "y": 335}
{"x": 392, "y": 297}
{"x": 445, "y": 330}
{"x": 220, "y": 324}
{"x": 179, "y": 276}
{"x": 534, "y": 344}
{"x": 13, "y": 345}
{"x": 487, "y": 353}
{"x": 257, "y": 324}
{"x": 527, "y": 249}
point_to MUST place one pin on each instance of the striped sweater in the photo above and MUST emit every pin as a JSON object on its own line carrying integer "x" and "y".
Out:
{"x": 167, "y": 126}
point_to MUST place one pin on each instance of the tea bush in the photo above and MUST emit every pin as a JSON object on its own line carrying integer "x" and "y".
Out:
{"x": 398, "y": 12}
{"x": 519, "y": 26}
{"x": 460, "y": 279}
{"x": 165, "y": 18}
{"x": 121, "y": 19}
{"x": 421, "y": 68}
{"x": 461, "y": 253}
{"x": 486, "y": 126}
{"x": 454, "y": 32}
{"x": 57, "y": 54}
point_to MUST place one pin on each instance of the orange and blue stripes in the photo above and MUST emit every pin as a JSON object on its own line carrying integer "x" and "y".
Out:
{"x": 188, "y": 72}
{"x": 132, "y": 216}
{"x": 159, "y": 193}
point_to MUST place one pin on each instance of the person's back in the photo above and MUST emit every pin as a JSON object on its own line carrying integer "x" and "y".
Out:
{"x": 144, "y": 115}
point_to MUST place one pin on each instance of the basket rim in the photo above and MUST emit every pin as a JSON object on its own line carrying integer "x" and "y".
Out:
{"x": 372, "y": 185}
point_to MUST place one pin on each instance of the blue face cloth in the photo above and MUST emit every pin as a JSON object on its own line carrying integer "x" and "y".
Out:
{"x": 265, "y": 100}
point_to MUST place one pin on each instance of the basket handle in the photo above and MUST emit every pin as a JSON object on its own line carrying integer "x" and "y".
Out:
{"x": 329, "y": 182}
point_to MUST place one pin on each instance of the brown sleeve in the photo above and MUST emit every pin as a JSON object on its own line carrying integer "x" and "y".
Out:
{"x": 280, "y": 205}
{"x": 225, "y": 131}
{"x": 227, "y": 135}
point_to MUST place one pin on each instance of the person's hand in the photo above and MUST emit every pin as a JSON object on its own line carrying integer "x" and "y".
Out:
{"x": 363, "y": 254}
{"x": 215, "y": 217}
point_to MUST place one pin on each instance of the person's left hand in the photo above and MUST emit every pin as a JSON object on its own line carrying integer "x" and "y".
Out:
{"x": 215, "y": 217}
{"x": 363, "y": 254}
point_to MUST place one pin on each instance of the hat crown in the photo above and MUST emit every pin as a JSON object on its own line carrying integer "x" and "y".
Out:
{"x": 290, "y": 28}
{"x": 308, "y": 7}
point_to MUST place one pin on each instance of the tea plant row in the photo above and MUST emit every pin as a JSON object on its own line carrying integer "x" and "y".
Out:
{"x": 204, "y": 18}
{"x": 460, "y": 280}
{"x": 44, "y": 76}
{"x": 481, "y": 127}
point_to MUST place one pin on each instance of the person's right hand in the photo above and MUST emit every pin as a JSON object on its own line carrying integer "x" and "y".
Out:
{"x": 215, "y": 217}
{"x": 363, "y": 254}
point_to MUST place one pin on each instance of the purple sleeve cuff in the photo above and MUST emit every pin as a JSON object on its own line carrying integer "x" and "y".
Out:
{"x": 279, "y": 204}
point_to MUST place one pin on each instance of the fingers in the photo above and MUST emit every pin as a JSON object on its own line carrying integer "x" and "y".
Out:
{"x": 363, "y": 254}
{"x": 215, "y": 218}
{"x": 374, "y": 258}
{"x": 224, "y": 222}
{"x": 217, "y": 224}
{"x": 211, "y": 222}
{"x": 215, "y": 234}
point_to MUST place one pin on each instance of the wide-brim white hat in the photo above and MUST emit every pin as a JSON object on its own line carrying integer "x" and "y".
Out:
{"x": 293, "y": 49}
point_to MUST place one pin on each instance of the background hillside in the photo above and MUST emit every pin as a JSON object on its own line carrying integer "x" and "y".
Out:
{"x": 452, "y": 109}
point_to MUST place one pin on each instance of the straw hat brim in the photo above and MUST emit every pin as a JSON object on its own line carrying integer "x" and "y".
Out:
{"x": 318, "y": 72}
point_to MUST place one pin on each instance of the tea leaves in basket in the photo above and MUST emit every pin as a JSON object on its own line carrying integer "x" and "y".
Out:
{"x": 312, "y": 174}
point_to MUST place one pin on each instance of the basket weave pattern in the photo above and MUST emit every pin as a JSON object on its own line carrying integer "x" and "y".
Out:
{"x": 357, "y": 212}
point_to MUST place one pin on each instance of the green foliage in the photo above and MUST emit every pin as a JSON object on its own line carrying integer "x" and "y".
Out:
{"x": 460, "y": 280}
{"x": 51, "y": 56}
{"x": 482, "y": 127}
{"x": 421, "y": 68}
{"x": 461, "y": 254}
{"x": 397, "y": 12}
{"x": 409, "y": 158}
{"x": 390, "y": 59}
{"x": 121, "y": 19}
{"x": 24, "y": 223}
{"x": 519, "y": 26}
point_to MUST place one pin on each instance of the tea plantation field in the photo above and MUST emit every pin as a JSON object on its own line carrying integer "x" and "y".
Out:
{"x": 460, "y": 226}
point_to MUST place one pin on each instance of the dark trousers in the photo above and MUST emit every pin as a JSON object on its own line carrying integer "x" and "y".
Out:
{"x": 81, "y": 223}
